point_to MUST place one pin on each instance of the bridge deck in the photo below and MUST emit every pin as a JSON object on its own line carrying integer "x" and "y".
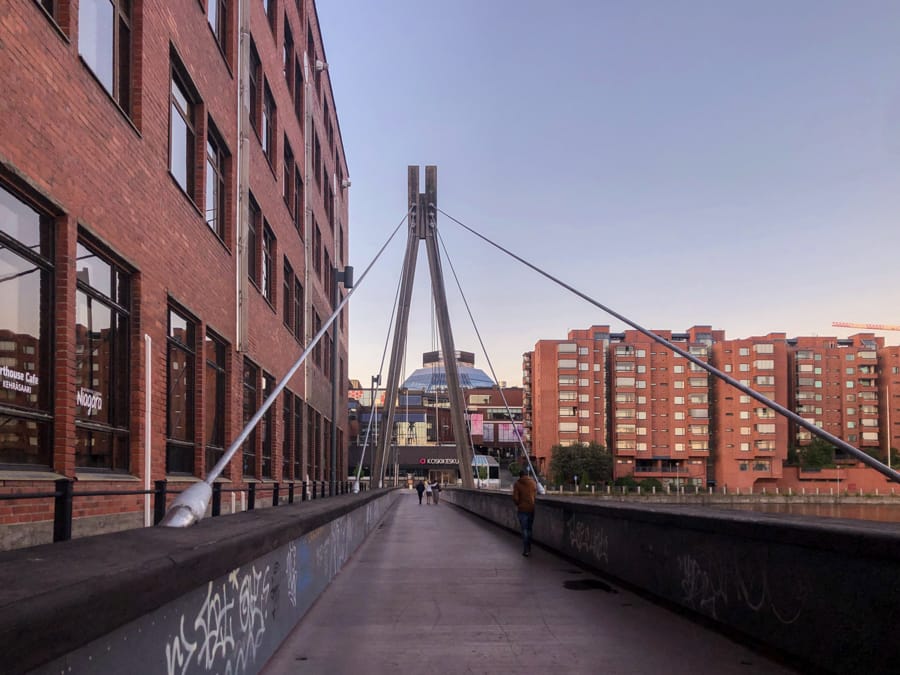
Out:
{"x": 435, "y": 589}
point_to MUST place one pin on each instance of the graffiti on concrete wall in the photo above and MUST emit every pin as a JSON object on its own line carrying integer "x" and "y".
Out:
{"x": 714, "y": 583}
{"x": 227, "y": 630}
{"x": 586, "y": 538}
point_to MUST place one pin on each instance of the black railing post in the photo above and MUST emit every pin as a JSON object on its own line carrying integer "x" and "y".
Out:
{"x": 216, "y": 499}
{"x": 275, "y": 490}
{"x": 251, "y": 496}
{"x": 315, "y": 490}
{"x": 304, "y": 494}
{"x": 62, "y": 510}
{"x": 291, "y": 493}
{"x": 323, "y": 489}
{"x": 159, "y": 500}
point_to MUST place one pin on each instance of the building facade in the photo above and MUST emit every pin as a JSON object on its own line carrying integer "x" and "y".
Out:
{"x": 173, "y": 211}
{"x": 670, "y": 420}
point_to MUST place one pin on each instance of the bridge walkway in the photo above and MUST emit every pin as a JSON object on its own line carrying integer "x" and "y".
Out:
{"x": 435, "y": 589}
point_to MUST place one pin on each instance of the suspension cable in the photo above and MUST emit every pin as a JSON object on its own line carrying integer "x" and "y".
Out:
{"x": 190, "y": 505}
{"x": 809, "y": 426}
{"x": 373, "y": 408}
{"x": 490, "y": 365}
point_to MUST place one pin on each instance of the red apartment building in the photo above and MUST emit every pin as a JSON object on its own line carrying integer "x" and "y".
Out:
{"x": 173, "y": 209}
{"x": 669, "y": 420}
{"x": 751, "y": 439}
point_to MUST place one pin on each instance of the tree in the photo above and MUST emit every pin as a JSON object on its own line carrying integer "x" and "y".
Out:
{"x": 591, "y": 462}
{"x": 816, "y": 455}
{"x": 514, "y": 468}
{"x": 649, "y": 483}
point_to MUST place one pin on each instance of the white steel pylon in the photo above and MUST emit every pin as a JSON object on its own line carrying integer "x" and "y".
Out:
{"x": 423, "y": 226}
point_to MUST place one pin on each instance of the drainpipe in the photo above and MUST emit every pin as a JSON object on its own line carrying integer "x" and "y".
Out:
{"x": 243, "y": 173}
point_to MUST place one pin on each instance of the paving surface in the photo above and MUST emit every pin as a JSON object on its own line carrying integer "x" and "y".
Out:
{"x": 436, "y": 590}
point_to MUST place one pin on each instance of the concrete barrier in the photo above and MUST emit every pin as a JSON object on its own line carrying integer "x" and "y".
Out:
{"x": 823, "y": 592}
{"x": 218, "y": 597}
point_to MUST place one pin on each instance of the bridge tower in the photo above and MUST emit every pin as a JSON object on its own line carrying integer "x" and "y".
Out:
{"x": 423, "y": 226}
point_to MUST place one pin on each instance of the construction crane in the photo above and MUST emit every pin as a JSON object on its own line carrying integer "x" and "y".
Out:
{"x": 870, "y": 326}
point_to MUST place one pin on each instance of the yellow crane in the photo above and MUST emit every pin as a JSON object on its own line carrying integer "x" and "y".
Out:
{"x": 870, "y": 326}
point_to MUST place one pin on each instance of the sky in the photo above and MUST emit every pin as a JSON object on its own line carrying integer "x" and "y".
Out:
{"x": 731, "y": 164}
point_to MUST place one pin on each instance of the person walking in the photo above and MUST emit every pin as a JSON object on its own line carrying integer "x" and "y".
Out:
{"x": 436, "y": 491}
{"x": 524, "y": 493}
{"x": 428, "y": 492}
{"x": 420, "y": 488}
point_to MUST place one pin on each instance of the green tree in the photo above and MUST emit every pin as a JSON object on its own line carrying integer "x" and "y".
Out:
{"x": 649, "y": 483}
{"x": 514, "y": 468}
{"x": 816, "y": 455}
{"x": 591, "y": 462}
{"x": 626, "y": 481}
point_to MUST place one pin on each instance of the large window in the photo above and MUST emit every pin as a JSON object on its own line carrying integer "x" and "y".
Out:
{"x": 182, "y": 134}
{"x": 104, "y": 42}
{"x": 214, "y": 399}
{"x": 217, "y": 14}
{"x": 268, "y": 264}
{"x": 254, "y": 230}
{"x": 267, "y": 133}
{"x": 101, "y": 363}
{"x": 267, "y": 426}
{"x": 180, "y": 393}
{"x": 250, "y": 406}
{"x": 255, "y": 77}
{"x": 26, "y": 350}
{"x": 216, "y": 162}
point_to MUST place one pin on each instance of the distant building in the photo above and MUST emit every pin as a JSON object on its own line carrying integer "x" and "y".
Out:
{"x": 664, "y": 417}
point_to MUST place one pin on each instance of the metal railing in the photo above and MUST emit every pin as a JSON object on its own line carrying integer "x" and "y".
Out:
{"x": 64, "y": 496}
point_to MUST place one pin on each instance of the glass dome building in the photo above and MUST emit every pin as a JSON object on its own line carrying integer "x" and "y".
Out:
{"x": 432, "y": 377}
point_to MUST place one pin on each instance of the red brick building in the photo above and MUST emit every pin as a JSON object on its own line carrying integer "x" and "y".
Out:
{"x": 669, "y": 420}
{"x": 173, "y": 206}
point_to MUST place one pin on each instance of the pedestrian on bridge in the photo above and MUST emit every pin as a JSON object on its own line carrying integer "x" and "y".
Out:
{"x": 436, "y": 491}
{"x": 420, "y": 488}
{"x": 428, "y": 492}
{"x": 524, "y": 494}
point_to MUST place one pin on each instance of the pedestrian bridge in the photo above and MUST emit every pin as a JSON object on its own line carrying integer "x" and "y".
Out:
{"x": 377, "y": 581}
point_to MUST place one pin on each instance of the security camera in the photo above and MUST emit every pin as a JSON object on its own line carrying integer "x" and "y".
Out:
{"x": 345, "y": 183}
{"x": 321, "y": 65}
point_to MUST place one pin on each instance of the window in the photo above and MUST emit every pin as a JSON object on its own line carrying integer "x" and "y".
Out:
{"x": 568, "y": 380}
{"x": 298, "y": 91}
{"x": 182, "y": 134}
{"x": 26, "y": 364}
{"x": 566, "y": 364}
{"x": 266, "y": 426}
{"x": 254, "y": 227}
{"x": 215, "y": 181}
{"x": 269, "y": 7}
{"x": 101, "y": 365}
{"x": 217, "y": 15}
{"x": 765, "y": 428}
{"x": 214, "y": 399}
{"x": 298, "y": 203}
{"x": 104, "y": 42}
{"x": 764, "y": 349}
{"x": 250, "y": 406}
{"x": 764, "y": 364}
{"x": 568, "y": 426}
{"x": 287, "y": 58}
{"x": 267, "y": 285}
{"x": 566, "y": 348}
{"x": 287, "y": 182}
{"x": 287, "y": 295}
{"x": 180, "y": 394}
{"x": 298, "y": 310}
{"x": 765, "y": 380}
{"x": 267, "y": 133}
{"x": 317, "y": 249}
{"x": 567, "y": 396}
{"x": 624, "y": 381}
{"x": 255, "y": 77}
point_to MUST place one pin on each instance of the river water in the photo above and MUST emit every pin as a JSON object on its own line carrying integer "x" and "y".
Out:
{"x": 889, "y": 513}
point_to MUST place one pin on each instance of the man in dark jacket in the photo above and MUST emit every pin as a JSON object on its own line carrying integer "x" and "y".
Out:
{"x": 524, "y": 492}
{"x": 420, "y": 488}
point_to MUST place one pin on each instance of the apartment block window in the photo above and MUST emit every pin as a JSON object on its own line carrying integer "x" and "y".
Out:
{"x": 765, "y": 428}
{"x": 267, "y": 133}
{"x": 217, "y": 15}
{"x": 317, "y": 249}
{"x": 287, "y": 295}
{"x": 249, "y": 408}
{"x": 267, "y": 426}
{"x": 567, "y": 396}
{"x": 256, "y": 88}
{"x": 254, "y": 230}
{"x": 182, "y": 133}
{"x": 298, "y": 310}
{"x": 744, "y": 351}
{"x": 317, "y": 158}
{"x": 568, "y": 426}
{"x": 101, "y": 365}
{"x": 764, "y": 349}
{"x": 26, "y": 267}
{"x": 288, "y": 55}
{"x": 566, "y": 348}
{"x": 764, "y": 364}
{"x": 267, "y": 285}
{"x": 287, "y": 182}
{"x": 181, "y": 376}
{"x": 298, "y": 202}
{"x": 567, "y": 380}
{"x": 104, "y": 42}
{"x": 215, "y": 182}
{"x": 214, "y": 399}
{"x": 768, "y": 380}
{"x": 624, "y": 381}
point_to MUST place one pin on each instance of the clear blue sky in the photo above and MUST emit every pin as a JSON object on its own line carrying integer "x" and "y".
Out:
{"x": 723, "y": 163}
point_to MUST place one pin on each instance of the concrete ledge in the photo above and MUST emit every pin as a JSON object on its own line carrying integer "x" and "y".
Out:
{"x": 824, "y": 592}
{"x": 55, "y": 600}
